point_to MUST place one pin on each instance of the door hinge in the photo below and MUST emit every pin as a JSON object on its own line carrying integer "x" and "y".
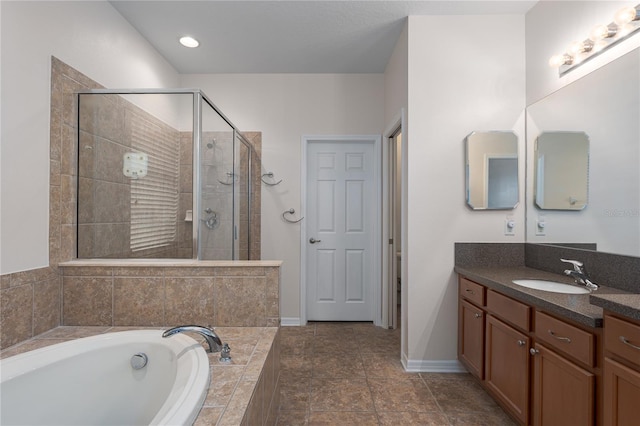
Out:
{"x": 390, "y": 240}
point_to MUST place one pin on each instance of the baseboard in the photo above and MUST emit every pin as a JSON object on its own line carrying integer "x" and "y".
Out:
{"x": 428, "y": 366}
{"x": 290, "y": 322}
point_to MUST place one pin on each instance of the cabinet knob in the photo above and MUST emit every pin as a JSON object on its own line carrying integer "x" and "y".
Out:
{"x": 478, "y": 315}
{"x": 534, "y": 351}
{"x": 521, "y": 343}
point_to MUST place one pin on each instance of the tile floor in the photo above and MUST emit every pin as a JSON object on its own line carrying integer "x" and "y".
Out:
{"x": 350, "y": 374}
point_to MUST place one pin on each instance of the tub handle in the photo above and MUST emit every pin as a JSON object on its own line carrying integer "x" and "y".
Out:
{"x": 224, "y": 354}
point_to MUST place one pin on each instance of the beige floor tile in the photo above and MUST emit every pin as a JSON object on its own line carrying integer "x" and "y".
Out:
{"x": 295, "y": 394}
{"x": 402, "y": 395}
{"x": 293, "y": 418}
{"x": 340, "y": 395}
{"x": 384, "y": 365}
{"x": 333, "y": 418}
{"x": 481, "y": 419}
{"x": 208, "y": 416}
{"x": 337, "y": 366}
{"x": 461, "y": 394}
{"x": 397, "y": 418}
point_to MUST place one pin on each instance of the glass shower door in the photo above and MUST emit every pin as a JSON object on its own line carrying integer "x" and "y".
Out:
{"x": 217, "y": 182}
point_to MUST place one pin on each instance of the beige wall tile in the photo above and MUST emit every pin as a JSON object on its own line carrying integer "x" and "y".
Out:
{"x": 240, "y": 271}
{"x": 16, "y": 315}
{"x": 87, "y": 301}
{"x": 240, "y": 301}
{"x": 138, "y": 301}
{"x": 189, "y": 301}
{"x": 46, "y": 305}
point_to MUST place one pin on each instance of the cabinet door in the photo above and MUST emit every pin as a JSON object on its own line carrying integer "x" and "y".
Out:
{"x": 563, "y": 393}
{"x": 471, "y": 338}
{"x": 507, "y": 366}
{"x": 621, "y": 394}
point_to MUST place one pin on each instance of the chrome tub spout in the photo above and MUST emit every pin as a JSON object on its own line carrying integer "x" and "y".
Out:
{"x": 214, "y": 342}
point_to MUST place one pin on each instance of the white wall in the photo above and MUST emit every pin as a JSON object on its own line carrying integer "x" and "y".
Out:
{"x": 471, "y": 79}
{"x": 89, "y": 36}
{"x": 284, "y": 107}
{"x": 396, "y": 101}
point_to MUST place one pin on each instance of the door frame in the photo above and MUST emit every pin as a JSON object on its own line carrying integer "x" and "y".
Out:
{"x": 398, "y": 123}
{"x": 376, "y": 140}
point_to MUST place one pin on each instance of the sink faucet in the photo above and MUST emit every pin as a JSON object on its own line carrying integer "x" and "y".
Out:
{"x": 214, "y": 342}
{"x": 579, "y": 274}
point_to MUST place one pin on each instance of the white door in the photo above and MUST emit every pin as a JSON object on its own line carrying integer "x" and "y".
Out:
{"x": 341, "y": 215}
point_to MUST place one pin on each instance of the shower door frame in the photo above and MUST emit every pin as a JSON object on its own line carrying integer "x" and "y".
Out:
{"x": 198, "y": 97}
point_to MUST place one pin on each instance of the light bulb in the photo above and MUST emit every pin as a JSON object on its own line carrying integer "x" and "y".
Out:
{"x": 558, "y": 60}
{"x": 187, "y": 41}
{"x": 575, "y": 48}
{"x": 626, "y": 15}
{"x": 600, "y": 32}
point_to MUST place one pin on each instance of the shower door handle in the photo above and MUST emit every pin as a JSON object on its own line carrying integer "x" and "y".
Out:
{"x": 313, "y": 240}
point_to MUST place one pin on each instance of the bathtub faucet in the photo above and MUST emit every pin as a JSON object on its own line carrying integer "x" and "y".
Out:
{"x": 214, "y": 342}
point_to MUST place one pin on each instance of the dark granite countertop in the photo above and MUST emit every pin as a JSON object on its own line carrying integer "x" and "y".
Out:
{"x": 627, "y": 305}
{"x": 576, "y": 307}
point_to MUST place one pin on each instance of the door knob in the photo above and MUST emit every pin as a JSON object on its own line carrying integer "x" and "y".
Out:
{"x": 313, "y": 240}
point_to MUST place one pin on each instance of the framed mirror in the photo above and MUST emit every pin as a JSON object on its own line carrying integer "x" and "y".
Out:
{"x": 491, "y": 164}
{"x": 561, "y": 170}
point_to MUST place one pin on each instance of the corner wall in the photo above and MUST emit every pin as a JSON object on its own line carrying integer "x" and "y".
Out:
{"x": 472, "y": 79}
{"x": 92, "y": 38}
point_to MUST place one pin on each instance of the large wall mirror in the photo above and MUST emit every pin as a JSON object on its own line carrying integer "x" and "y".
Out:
{"x": 603, "y": 110}
{"x": 491, "y": 170}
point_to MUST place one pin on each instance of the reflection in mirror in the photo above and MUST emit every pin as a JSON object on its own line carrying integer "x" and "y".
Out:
{"x": 492, "y": 170}
{"x": 561, "y": 170}
{"x": 604, "y": 104}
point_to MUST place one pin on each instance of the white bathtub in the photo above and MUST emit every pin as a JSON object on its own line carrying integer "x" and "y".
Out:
{"x": 90, "y": 381}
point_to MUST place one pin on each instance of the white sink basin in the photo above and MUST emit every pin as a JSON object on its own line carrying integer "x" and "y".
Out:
{"x": 552, "y": 286}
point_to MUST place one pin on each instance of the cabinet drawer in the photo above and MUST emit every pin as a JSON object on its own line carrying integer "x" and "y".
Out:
{"x": 566, "y": 338}
{"x": 622, "y": 338}
{"x": 472, "y": 291}
{"x": 510, "y": 310}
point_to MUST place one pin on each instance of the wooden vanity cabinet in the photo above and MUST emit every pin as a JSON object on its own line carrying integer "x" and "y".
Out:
{"x": 621, "y": 371}
{"x": 541, "y": 369}
{"x": 563, "y": 391}
{"x": 507, "y": 366}
{"x": 471, "y": 338}
{"x": 471, "y": 319}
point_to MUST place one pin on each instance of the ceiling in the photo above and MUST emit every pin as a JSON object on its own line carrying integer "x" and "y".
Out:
{"x": 303, "y": 36}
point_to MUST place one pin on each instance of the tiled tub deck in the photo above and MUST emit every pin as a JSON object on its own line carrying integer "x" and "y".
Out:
{"x": 242, "y": 392}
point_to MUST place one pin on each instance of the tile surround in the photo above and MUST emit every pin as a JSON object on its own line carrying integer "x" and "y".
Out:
{"x": 151, "y": 294}
{"x": 32, "y": 302}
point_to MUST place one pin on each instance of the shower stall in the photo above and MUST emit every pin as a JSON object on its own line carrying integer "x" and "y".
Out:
{"x": 163, "y": 174}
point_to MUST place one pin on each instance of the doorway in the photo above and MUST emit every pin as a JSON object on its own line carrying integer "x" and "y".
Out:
{"x": 394, "y": 203}
{"x": 340, "y": 248}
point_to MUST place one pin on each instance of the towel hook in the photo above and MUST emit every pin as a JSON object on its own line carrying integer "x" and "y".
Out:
{"x": 230, "y": 176}
{"x": 270, "y": 176}
{"x": 290, "y": 211}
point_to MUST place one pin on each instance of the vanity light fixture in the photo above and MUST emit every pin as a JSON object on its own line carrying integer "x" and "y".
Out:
{"x": 188, "y": 41}
{"x": 626, "y": 22}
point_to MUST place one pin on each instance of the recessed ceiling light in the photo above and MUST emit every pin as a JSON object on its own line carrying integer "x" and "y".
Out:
{"x": 187, "y": 41}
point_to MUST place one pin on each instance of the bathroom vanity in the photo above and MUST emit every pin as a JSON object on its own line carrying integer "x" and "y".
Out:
{"x": 545, "y": 357}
